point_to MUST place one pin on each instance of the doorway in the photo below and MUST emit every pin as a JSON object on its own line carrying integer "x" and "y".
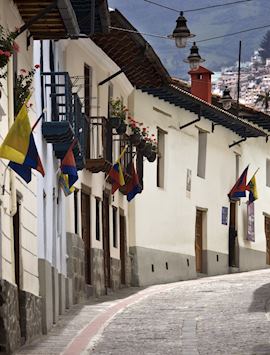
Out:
{"x": 106, "y": 241}
{"x": 199, "y": 240}
{"x": 267, "y": 235}
{"x": 123, "y": 247}
{"x": 86, "y": 236}
{"x": 233, "y": 260}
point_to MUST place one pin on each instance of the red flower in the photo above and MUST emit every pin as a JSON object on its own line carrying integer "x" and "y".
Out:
{"x": 7, "y": 54}
{"x": 37, "y": 66}
{"x": 16, "y": 47}
{"x": 1, "y": 52}
{"x": 23, "y": 71}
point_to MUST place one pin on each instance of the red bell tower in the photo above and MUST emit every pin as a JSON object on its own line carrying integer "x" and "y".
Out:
{"x": 201, "y": 85}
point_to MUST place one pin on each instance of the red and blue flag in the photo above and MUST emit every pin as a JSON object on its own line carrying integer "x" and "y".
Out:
{"x": 240, "y": 187}
{"x": 133, "y": 187}
{"x": 68, "y": 166}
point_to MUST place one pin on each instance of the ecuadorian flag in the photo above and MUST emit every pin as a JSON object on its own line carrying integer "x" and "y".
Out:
{"x": 15, "y": 145}
{"x": 252, "y": 188}
{"x": 68, "y": 166}
{"x": 117, "y": 176}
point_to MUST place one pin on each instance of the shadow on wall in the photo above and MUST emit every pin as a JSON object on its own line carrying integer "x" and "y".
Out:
{"x": 262, "y": 349}
{"x": 261, "y": 301}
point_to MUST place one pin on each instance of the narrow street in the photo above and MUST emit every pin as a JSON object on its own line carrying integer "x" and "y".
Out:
{"x": 227, "y": 314}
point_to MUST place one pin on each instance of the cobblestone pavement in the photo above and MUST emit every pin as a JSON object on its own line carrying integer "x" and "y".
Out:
{"x": 227, "y": 314}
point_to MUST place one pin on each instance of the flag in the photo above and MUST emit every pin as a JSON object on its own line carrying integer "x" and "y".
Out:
{"x": 133, "y": 187}
{"x": 116, "y": 173}
{"x": 15, "y": 145}
{"x": 117, "y": 176}
{"x": 252, "y": 188}
{"x": 239, "y": 188}
{"x": 32, "y": 161}
{"x": 68, "y": 166}
{"x": 63, "y": 182}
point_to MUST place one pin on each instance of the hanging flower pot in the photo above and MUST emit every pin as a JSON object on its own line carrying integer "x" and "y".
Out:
{"x": 135, "y": 139}
{"x": 147, "y": 149}
{"x": 115, "y": 121}
{"x": 141, "y": 145}
{"x": 152, "y": 157}
{"x": 122, "y": 128}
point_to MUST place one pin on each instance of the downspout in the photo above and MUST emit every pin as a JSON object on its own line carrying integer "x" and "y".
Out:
{"x": 13, "y": 198}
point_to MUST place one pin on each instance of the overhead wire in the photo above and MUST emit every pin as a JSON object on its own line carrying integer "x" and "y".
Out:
{"x": 198, "y": 41}
{"x": 199, "y": 8}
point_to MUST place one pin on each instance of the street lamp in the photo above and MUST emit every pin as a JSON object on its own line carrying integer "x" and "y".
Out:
{"x": 181, "y": 32}
{"x": 194, "y": 59}
{"x": 226, "y": 99}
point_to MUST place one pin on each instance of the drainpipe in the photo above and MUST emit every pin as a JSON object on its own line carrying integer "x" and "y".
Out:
{"x": 13, "y": 198}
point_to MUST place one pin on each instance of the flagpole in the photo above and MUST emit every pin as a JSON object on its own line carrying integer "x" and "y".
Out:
{"x": 256, "y": 171}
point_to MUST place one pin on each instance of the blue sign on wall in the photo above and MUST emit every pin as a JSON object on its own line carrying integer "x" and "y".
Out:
{"x": 224, "y": 216}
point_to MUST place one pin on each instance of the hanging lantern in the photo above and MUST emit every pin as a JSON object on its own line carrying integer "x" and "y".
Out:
{"x": 181, "y": 32}
{"x": 194, "y": 59}
{"x": 226, "y": 99}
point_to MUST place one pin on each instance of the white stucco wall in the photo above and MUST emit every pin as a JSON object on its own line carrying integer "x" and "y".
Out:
{"x": 165, "y": 217}
{"x": 102, "y": 67}
{"x": 10, "y": 18}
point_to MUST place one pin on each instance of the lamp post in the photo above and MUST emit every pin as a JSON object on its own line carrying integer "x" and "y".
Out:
{"x": 194, "y": 59}
{"x": 181, "y": 32}
{"x": 226, "y": 99}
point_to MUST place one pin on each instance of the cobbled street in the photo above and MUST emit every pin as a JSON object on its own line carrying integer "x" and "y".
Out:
{"x": 227, "y": 314}
{"x": 218, "y": 315}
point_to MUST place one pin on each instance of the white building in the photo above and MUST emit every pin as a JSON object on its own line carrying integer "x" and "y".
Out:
{"x": 182, "y": 222}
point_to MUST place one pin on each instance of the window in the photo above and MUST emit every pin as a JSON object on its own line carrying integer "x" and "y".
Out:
{"x": 160, "y": 157}
{"x": 76, "y": 211}
{"x": 268, "y": 172}
{"x": 114, "y": 227}
{"x": 97, "y": 218}
{"x": 202, "y": 142}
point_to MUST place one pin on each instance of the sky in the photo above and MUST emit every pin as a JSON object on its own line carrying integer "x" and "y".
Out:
{"x": 218, "y": 53}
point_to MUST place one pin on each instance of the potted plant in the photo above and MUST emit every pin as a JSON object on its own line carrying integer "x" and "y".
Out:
{"x": 136, "y": 135}
{"x": 22, "y": 87}
{"x": 152, "y": 156}
{"x": 7, "y": 47}
{"x": 118, "y": 115}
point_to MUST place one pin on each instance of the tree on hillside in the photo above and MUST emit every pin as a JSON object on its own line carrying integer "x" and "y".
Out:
{"x": 264, "y": 99}
{"x": 265, "y": 45}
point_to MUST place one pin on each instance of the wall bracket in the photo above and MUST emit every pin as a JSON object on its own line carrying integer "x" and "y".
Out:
{"x": 238, "y": 142}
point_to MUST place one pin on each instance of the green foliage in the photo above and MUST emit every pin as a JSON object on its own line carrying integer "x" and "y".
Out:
{"x": 7, "y": 47}
{"x": 264, "y": 99}
{"x": 22, "y": 88}
{"x": 118, "y": 109}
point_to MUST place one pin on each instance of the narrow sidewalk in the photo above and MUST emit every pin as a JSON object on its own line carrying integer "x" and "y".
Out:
{"x": 84, "y": 322}
{"x": 73, "y": 322}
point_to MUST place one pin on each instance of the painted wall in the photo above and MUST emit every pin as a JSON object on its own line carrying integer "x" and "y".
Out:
{"x": 10, "y": 18}
{"x": 102, "y": 67}
{"x": 165, "y": 217}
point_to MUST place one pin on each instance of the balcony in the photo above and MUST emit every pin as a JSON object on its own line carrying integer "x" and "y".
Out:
{"x": 105, "y": 148}
{"x": 64, "y": 120}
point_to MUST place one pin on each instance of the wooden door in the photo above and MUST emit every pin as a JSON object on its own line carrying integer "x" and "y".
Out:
{"x": 85, "y": 205}
{"x": 106, "y": 241}
{"x": 199, "y": 240}
{"x": 123, "y": 246}
{"x": 232, "y": 235}
{"x": 17, "y": 259}
{"x": 267, "y": 235}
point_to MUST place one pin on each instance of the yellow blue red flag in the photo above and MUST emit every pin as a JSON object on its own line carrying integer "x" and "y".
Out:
{"x": 116, "y": 174}
{"x": 252, "y": 188}
{"x": 15, "y": 145}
